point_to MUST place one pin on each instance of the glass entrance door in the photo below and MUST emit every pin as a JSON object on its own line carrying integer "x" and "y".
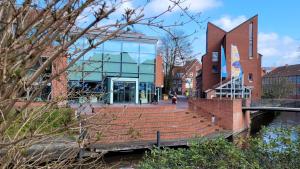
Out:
{"x": 124, "y": 92}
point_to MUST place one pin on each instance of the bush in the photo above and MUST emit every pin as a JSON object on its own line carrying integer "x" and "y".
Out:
{"x": 41, "y": 121}
{"x": 280, "y": 150}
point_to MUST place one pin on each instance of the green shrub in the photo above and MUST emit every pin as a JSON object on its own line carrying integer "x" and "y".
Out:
{"x": 278, "y": 149}
{"x": 41, "y": 121}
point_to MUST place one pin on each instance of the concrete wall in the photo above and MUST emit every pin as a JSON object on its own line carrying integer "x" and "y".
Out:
{"x": 228, "y": 113}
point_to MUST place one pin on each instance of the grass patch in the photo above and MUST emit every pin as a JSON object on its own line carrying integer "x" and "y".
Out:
{"x": 40, "y": 121}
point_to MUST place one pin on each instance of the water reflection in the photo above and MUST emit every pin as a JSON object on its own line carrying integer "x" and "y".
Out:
{"x": 272, "y": 120}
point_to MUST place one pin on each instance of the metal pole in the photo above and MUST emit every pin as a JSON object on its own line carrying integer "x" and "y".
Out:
{"x": 158, "y": 139}
{"x": 231, "y": 87}
{"x": 221, "y": 75}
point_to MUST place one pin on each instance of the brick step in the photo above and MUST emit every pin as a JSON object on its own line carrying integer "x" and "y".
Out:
{"x": 152, "y": 132}
{"x": 152, "y": 136}
{"x": 145, "y": 114}
{"x": 135, "y": 109}
{"x": 148, "y": 120}
{"x": 193, "y": 124}
{"x": 157, "y": 120}
{"x": 148, "y": 115}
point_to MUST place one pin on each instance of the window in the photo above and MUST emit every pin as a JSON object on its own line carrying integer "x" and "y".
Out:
{"x": 251, "y": 40}
{"x": 147, "y": 48}
{"x": 250, "y": 77}
{"x": 214, "y": 69}
{"x": 191, "y": 74}
{"x": 215, "y": 56}
{"x": 179, "y": 75}
{"x": 112, "y": 46}
{"x": 130, "y": 47}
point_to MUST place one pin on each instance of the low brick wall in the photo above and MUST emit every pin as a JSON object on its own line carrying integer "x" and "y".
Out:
{"x": 135, "y": 108}
{"x": 228, "y": 113}
{"x": 31, "y": 105}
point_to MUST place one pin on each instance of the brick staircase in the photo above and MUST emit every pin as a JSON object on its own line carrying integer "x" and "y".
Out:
{"x": 110, "y": 127}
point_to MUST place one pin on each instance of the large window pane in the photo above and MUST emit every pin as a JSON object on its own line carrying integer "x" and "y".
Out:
{"x": 111, "y": 67}
{"x": 75, "y": 75}
{"x": 147, "y": 58}
{"x": 130, "y": 75}
{"x": 112, "y": 57}
{"x": 147, "y": 48}
{"x": 112, "y": 46}
{"x": 93, "y": 55}
{"x": 77, "y": 66}
{"x": 147, "y": 69}
{"x": 111, "y": 74}
{"x": 130, "y": 47}
{"x": 146, "y": 78}
{"x": 130, "y": 57}
{"x": 74, "y": 52}
{"x": 92, "y": 66}
{"x": 92, "y": 76}
{"x": 130, "y": 68}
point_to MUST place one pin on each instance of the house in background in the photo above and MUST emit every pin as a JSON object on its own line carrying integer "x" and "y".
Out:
{"x": 287, "y": 76}
{"x": 240, "y": 46}
{"x": 266, "y": 70}
{"x": 184, "y": 77}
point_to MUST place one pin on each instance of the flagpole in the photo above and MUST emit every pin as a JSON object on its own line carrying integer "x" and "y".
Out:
{"x": 221, "y": 75}
{"x": 243, "y": 85}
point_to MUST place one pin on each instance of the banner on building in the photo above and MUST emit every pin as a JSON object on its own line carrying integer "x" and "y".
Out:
{"x": 223, "y": 63}
{"x": 236, "y": 68}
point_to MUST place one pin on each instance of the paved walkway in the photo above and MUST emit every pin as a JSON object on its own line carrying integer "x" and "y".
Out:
{"x": 87, "y": 108}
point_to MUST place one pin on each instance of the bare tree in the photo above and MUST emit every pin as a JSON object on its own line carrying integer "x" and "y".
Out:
{"x": 279, "y": 88}
{"x": 37, "y": 35}
{"x": 176, "y": 49}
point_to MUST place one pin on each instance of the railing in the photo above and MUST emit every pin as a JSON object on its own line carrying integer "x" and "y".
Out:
{"x": 288, "y": 103}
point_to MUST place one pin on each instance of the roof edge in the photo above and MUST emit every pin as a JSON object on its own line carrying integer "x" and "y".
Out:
{"x": 243, "y": 23}
{"x": 216, "y": 26}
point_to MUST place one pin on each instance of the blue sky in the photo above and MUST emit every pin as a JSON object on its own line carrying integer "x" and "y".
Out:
{"x": 279, "y": 25}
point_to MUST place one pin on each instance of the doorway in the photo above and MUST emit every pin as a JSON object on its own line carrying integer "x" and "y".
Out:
{"x": 124, "y": 92}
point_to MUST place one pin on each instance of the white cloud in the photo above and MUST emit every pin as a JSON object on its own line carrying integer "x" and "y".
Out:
{"x": 158, "y": 6}
{"x": 121, "y": 5}
{"x": 227, "y": 22}
{"x": 278, "y": 50}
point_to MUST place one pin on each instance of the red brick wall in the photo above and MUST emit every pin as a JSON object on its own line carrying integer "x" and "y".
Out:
{"x": 159, "y": 71}
{"x": 33, "y": 104}
{"x": 228, "y": 113}
{"x": 60, "y": 84}
{"x": 214, "y": 38}
{"x": 239, "y": 36}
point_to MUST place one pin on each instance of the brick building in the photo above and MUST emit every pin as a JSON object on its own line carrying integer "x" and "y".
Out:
{"x": 280, "y": 79}
{"x": 184, "y": 77}
{"x": 244, "y": 39}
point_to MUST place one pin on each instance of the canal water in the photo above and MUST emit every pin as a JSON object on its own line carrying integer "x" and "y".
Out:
{"x": 273, "y": 120}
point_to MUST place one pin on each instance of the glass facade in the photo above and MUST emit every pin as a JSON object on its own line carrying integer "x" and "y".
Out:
{"x": 115, "y": 58}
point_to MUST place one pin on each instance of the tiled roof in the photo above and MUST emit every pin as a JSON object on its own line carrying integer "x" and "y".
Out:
{"x": 288, "y": 70}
